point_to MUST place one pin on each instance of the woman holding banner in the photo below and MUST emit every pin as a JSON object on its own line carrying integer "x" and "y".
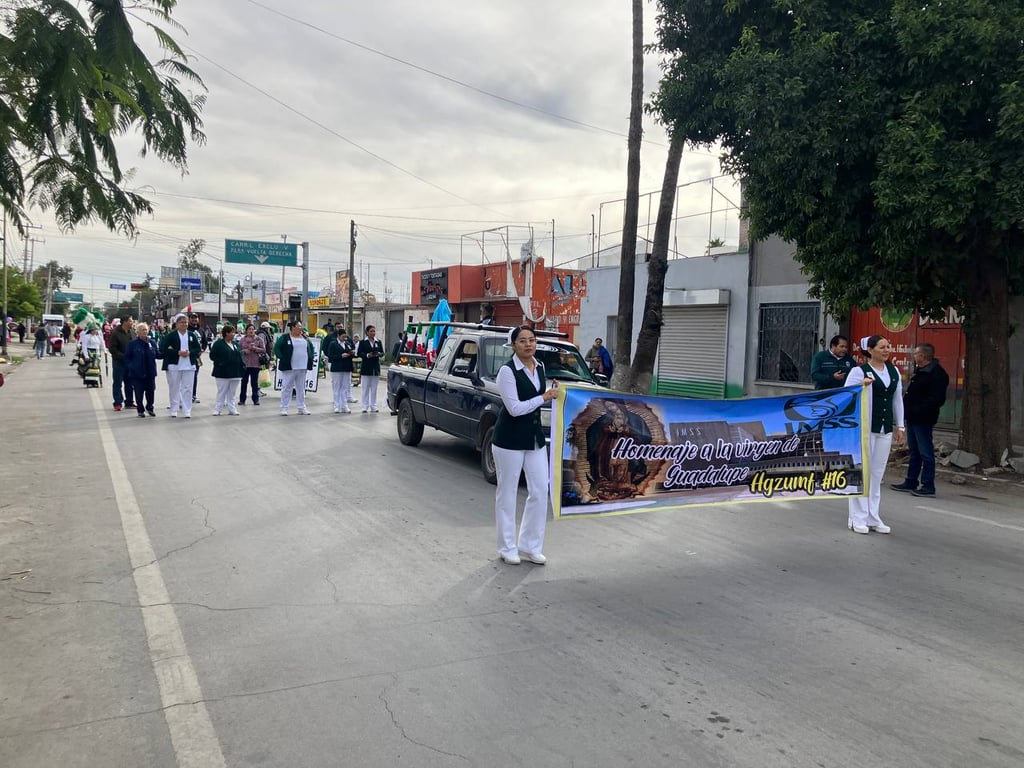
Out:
{"x": 885, "y": 411}
{"x": 518, "y": 445}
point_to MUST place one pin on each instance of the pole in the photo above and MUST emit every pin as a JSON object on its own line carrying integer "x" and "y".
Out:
{"x": 305, "y": 283}
{"x": 220, "y": 298}
{"x": 49, "y": 288}
{"x": 3, "y": 347}
{"x": 351, "y": 270}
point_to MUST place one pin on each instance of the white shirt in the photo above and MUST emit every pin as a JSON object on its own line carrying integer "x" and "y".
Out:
{"x": 92, "y": 341}
{"x": 300, "y": 353}
{"x": 184, "y": 363}
{"x": 510, "y": 393}
{"x": 856, "y": 377}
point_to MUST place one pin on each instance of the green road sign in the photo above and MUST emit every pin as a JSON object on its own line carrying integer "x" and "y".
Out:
{"x": 254, "y": 252}
{"x": 64, "y": 296}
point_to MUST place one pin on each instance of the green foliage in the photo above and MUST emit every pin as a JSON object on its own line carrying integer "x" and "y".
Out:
{"x": 24, "y": 299}
{"x": 59, "y": 276}
{"x": 188, "y": 259}
{"x": 71, "y": 85}
{"x": 884, "y": 137}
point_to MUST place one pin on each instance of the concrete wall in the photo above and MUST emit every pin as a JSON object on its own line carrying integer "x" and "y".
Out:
{"x": 728, "y": 271}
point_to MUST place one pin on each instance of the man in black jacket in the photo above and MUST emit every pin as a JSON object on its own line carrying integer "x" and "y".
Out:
{"x": 371, "y": 350}
{"x": 922, "y": 400}
{"x": 120, "y": 338}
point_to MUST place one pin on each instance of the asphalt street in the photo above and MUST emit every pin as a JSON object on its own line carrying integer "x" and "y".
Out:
{"x": 306, "y": 591}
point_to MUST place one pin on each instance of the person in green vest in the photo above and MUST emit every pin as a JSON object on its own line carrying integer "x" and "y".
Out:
{"x": 228, "y": 369}
{"x": 885, "y": 414}
{"x": 518, "y": 445}
{"x": 830, "y": 367}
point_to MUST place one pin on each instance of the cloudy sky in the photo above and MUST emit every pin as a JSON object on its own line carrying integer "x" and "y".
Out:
{"x": 426, "y": 122}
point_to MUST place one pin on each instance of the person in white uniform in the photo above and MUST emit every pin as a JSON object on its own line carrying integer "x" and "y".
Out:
{"x": 885, "y": 414}
{"x": 181, "y": 349}
{"x": 294, "y": 354}
{"x": 518, "y": 445}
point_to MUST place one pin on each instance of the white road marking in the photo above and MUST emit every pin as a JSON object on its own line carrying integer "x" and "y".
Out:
{"x": 194, "y": 741}
{"x": 972, "y": 518}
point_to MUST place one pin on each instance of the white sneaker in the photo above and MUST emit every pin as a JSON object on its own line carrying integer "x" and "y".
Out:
{"x": 305, "y": 412}
{"x": 337, "y": 410}
{"x": 364, "y": 410}
{"x": 537, "y": 559}
{"x": 284, "y": 411}
{"x": 346, "y": 410}
{"x": 234, "y": 412}
{"x": 374, "y": 410}
{"x": 860, "y": 529}
{"x": 216, "y": 413}
{"x": 511, "y": 559}
{"x": 881, "y": 528}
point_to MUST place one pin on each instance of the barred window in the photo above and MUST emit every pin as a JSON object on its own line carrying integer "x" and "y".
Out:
{"x": 787, "y": 340}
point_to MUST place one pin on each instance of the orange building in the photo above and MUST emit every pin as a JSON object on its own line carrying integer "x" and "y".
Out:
{"x": 518, "y": 292}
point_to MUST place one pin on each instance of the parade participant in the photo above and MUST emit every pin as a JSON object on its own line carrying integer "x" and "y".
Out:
{"x": 924, "y": 397}
{"x": 885, "y": 413}
{"x": 228, "y": 369}
{"x": 204, "y": 342}
{"x": 92, "y": 343}
{"x": 294, "y": 353}
{"x": 181, "y": 349}
{"x": 140, "y": 370}
{"x": 120, "y": 337}
{"x": 340, "y": 353}
{"x": 253, "y": 348}
{"x": 371, "y": 350}
{"x": 518, "y": 445}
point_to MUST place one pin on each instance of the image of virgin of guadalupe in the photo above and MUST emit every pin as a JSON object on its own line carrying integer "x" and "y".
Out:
{"x": 615, "y": 478}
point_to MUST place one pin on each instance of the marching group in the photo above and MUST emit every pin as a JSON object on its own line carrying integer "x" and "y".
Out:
{"x": 136, "y": 348}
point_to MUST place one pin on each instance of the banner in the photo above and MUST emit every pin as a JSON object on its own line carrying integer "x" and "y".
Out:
{"x": 312, "y": 377}
{"x": 620, "y": 453}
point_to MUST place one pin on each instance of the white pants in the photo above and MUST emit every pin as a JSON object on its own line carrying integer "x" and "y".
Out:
{"x": 864, "y": 510}
{"x": 509, "y": 465}
{"x": 293, "y": 380}
{"x": 179, "y": 385}
{"x": 226, "y": 389}
{"x": 370, "y": 392}
{"x": 341, "y": 386}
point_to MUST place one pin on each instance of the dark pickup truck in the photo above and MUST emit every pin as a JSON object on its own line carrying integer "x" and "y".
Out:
{"x": 459, "y": 394}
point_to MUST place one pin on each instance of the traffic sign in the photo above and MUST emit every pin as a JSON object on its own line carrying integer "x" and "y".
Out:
{"x": 63, "y": 296}
{"x": 139, "y": 286}
{"x": 255, "y": 252}
{"x": 118, "y": 286}
{"x": 191, "y": 283}
{"x": 252, "y": 306}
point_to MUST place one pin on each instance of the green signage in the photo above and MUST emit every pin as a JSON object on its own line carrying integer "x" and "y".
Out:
{"x": 63, "y": 296}
{"x": 255, "y": 252}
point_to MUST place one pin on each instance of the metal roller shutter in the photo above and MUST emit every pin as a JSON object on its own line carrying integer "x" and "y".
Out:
{"x": 692, "y": 352}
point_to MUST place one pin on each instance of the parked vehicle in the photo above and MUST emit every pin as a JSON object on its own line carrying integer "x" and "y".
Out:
{"x": 459, "y": 393}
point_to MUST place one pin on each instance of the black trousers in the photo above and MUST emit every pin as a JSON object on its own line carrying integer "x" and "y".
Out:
{"x": 140, "y": 387}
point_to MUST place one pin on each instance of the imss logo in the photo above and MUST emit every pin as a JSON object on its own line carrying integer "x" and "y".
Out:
{"x": 827, "y": 409}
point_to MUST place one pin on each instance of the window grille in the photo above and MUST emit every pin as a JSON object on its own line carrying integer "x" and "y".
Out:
{"x": 787, "y": 340}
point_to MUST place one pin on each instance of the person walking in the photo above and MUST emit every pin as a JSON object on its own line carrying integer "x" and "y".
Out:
{"x": 204, "y": 343}
{"x": 518, "y": 445}
{"x": 140, "y": 370}
{"x": 829, "y": 368}
{"x": 340, "y": 353}
{"x": 253, "y": 351}
{"x": 120, "y": 337}
{"x": 21, "y": 332}
{"x": 294, "y": 353}
{"x": 181, "y": 349}
{"x": 268, "y": 336}
{"x": 599, "y": 359}
{"x": 924, "y": 397}
{"x": 885, "y": 414}
{"x": 40, "y": 345}
{"x": 371, "y": 350}
{"x": 228, "y": 369}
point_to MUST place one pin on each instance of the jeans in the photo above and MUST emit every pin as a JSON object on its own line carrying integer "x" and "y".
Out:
{"x": 922, "y": 457}
{"x": 122, "y": 388}
{"x": 251, "y": 377}
{"x": 40, "y": 349}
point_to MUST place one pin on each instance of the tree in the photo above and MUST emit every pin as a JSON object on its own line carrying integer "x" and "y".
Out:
{"x": 188, "y": 260}
{"x": 886, "y": 139}
{"x": 627, "y": 261}
{"x": 71, "y": 85}
{"x": 51, "y": 276}
{"x": 641, "y": 373}
{"x": 24, "y": 300}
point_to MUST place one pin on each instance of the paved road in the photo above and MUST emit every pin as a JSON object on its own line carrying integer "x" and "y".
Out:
{"x": 304, "y": 591}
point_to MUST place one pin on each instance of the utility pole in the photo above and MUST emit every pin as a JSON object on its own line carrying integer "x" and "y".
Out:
{"x": 3, "y": 342}
{"x": 351, "y": 271}
{"x": 305, "y": 285}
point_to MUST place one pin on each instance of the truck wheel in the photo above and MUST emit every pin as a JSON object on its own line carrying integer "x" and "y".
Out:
{"x": 410, "y": 431}
{"x": 487, "y": 458}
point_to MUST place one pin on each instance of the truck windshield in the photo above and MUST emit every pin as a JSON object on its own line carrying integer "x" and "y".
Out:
{"x": 559, "y": 362}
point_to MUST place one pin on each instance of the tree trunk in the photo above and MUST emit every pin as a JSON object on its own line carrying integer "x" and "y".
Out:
{"x": 985, "y": 427}
{"x": 642, "y": 372}
{"x": 627, "y": 261}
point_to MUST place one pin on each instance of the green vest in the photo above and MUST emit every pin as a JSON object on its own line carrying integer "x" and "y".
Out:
{"x": 521, "y": 433}
{"x": 881, "y": 398}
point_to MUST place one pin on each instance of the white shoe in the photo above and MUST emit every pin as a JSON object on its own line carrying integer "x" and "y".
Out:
{"x": 174, "y": 415}
{"x": 374, "y": 410}
{"x": 284, "y": 411}
{"x": 337, "y": 410}
{"x": 216, "y": 413}
{"x": 511, "y": 559}
{"x": 860, "y": 529}
{"x": 353, "y": 400}
{"x": 304, "y": 412}
{"x": 364, "y": 410}
{"x": 880, "y": 528}
{"x": 537, "y": 559}
{"x": 346, "y": 410}
{"x": 234, "y": 412}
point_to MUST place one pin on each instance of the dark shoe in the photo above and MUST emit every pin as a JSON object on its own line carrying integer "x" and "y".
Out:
{"x": 255, "y": 402}
{"x": 150, "y": 412}
{"x": 906, "y": 487}
{"x": 195, "y": 399}
{"x": 142, "y": 415}
{"x": 129, "y": 405}
{"x": 117, "y": 407}
{"x": 927, "y": 492}
{"x": 241, "y": 402}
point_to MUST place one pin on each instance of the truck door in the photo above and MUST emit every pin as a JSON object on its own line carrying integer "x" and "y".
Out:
{"x": 433, "y": 396}
{"x": 463, "y": 402}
